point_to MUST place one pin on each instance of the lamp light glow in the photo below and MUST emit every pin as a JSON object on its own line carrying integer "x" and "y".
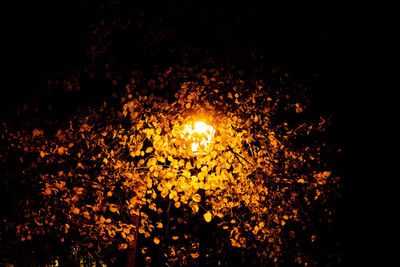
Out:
{"x": 202, "y": 135}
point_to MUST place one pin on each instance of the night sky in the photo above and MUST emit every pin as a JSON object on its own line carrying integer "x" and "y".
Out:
{"x": 341, "y": 50}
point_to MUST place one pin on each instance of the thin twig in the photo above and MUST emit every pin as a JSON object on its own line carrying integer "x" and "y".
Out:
{"x": 238, "y": 155}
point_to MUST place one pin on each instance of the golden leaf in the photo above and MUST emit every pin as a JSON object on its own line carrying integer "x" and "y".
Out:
{"x": 194, "y": 206}
{"x": 37, "y": 132}
{"x": 47, "y": 191}
{"x": 123, "y": 246}
{"x": 201, "y": 176}
{"x": 101, "y": 220}
{"x": 76, "y": 210}
{"x": 204, "y": 169}
{"x": 113, "y": 208}
{"x": 151, "y": 162}
{"x": 61, "y": 150}
{"x": 156, "y": 240}
{"x": 188, "y": 166}
{"x": 79, "y": 190}
{"x": 197, "y": 198}
{"x": 195, "y": 255}
{"x": 207, "y": 216}
{"x": 181, "y": 163}
{"x": 164, "y": 193}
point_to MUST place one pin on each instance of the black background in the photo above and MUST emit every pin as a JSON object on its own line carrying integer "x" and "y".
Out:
{"x": 343, "y": 49}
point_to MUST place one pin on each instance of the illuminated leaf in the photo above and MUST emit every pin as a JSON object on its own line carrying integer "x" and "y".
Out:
{"x": 113, "y": 208}
{"x": 194, "y": 206}
{"x": 197, "y": 198}
{"x": 207, "y": 216}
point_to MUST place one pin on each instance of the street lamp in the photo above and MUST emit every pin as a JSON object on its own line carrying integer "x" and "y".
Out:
{"x": 201, "y": 134}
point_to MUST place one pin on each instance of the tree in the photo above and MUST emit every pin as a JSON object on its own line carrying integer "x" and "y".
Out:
{"x": 254, "y": 183}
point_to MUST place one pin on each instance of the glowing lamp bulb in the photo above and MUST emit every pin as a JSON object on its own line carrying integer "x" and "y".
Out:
{"x": 205, "y": 131}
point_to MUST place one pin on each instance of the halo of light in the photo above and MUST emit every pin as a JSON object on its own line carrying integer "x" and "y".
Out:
{"x": 206, "y": 133}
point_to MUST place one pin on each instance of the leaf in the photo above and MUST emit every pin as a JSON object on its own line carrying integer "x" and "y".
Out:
{"x": 194, "y": 206}
{"x": 47, "y": 191}
{"x": 113, "y": 208}
{"x": 164, "y": 193}
{"x": 188, "y": 166}
{"x": 76, "y": 210}
{"x": 37, "y": 132}
{"x": 197, "y": 198}
{"x": 151, "y": 162}
{"x": 195, "y": 255}
{"x": 207, "y": 216}
{"x": 149, "y": 150}
{"x": 101, "y": 220}
{"x": 156, "y": 240}
{"x": 61, "y": 150}
{"x": 79, "y": 190}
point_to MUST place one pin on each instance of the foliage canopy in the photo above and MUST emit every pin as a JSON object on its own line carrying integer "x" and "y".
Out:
{"x": 255, "y": 184}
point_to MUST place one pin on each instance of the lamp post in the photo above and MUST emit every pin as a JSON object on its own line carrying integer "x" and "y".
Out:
{"x": 130, "y": 258}
{"x": 202, "y": 134}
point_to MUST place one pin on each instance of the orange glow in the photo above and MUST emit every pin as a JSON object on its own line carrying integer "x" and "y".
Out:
{"x": 202, "y": 134}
